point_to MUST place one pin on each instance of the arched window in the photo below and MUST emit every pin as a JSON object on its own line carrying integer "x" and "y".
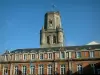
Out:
{"x": 48, "y": 40}
{"x": 54, "y": 39}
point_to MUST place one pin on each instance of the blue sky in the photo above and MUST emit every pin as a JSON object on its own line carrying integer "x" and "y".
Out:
{"x": 21, "y": 21}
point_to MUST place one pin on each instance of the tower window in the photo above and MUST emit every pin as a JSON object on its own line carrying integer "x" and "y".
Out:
{"x": 50, "y": 21}
{"x": 48, "y": 40}
{"x": 54, "y": 39}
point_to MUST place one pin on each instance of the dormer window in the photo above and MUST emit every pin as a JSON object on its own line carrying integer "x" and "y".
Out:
{"x": 62, "y": 55}
{"x": 17, "y": 57}
{"x": 33, "y": 56}
{"x": 25, "y": 56}
{"x": 49, "y": 55}
{"x": 78, "y": 54}
{"x": 91, "y": 54}
{"x": 41, "y": 56}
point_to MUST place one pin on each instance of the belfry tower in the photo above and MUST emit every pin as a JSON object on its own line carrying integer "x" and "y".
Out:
{"x": 51, "y": 34}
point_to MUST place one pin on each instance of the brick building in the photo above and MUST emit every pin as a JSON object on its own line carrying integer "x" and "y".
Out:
{"x": 53, "y": 57}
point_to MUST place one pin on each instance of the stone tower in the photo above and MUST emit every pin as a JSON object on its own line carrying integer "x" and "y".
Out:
{"x": 51, "y": 34}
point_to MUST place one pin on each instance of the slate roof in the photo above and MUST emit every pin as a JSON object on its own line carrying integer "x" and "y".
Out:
{"x": 29, "y": 50}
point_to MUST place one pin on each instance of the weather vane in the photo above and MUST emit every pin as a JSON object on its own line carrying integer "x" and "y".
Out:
{"x": 53, "y": 7}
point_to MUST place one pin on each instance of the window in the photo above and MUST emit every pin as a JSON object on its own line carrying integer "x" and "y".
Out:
{"x": 91, "y": 54}
{"x": 49, "y": 70}
{"x": 62, "y": 55}
{"x": 24, "y": 70}
{"x": 5, "y": 70}
{"x": 49, "y": 55}
{"x": 32, "y": 70}
{"x": 17, "y": 57}
{"x": 6, "y": 57}
{"x": 79, "y": 69}
{"x": 41, "y": 56}
{"x": 54, "y": 39}
{"x": 48, "y": 41}
{"x": 50, "y": 21}
{"x": 93, "y": 68}
{"x": 78, "y": 54}
{"x": 25, "y": 56}
{"x": 16, "y": 70}
{"x": 33, "y": 56}
{"x": 62, "y": 69}
{"x": 41, "y": 70}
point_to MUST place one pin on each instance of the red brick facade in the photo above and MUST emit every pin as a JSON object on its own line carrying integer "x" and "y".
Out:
{"x": 70, "y": 63}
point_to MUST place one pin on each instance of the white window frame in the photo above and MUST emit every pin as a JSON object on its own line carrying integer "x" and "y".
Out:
{"x": 40, "y": 68}
{"x": 16, "y": 56}
{"x": 61, "y": 55}
{"x": 49, "y": 69}
{"x": 16, "y": 70}
{"x": 26, "y": 56}
{"x": 31, "y": 69}
{"x": 91, "y": 54}
{"x": 77, "y": 56}
{"x": 34, "y": 56}
{"x": 79, "y": 67}
{"x": 51, "y": 56}
{"x": 40, "y": 56}
{"x": 24, "y": 71}
{"x": 62, "y": 67}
